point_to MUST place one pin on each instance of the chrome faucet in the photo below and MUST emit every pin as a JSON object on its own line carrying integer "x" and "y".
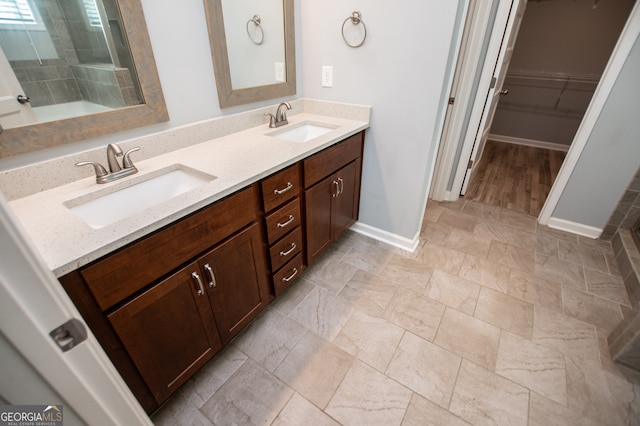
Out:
{"x": 113, "y": 152}
{"x": 116, "y": 171}
{"x": 280, "y": 118}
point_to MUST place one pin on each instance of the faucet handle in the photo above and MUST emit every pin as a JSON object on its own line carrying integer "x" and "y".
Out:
{"x": 97, "y": 167}
{"x": 272, "y": 119}
{"x": 126, "y": 160}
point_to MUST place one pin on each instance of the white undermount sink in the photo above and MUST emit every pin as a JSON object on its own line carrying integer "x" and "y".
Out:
{"x": 302, "y": 132}
{"x": 112, "y": 204}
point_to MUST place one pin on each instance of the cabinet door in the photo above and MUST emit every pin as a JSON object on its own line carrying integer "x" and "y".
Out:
{"x": 317, "y": 206}
{"x": 331, "y": 207}
{"x": 236, "y": 281}
{"x": 345, "y": 204}
{"x": 169, "y": 331}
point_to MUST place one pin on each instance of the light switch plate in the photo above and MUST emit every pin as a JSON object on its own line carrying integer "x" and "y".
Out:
{"x": 327, "y": 76}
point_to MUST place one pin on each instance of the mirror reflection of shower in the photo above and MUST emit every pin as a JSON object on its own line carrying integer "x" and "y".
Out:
{"x": 69, "y": 57}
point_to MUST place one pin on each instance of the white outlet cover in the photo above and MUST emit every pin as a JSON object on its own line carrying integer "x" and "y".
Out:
{"x": 327, "y": 76}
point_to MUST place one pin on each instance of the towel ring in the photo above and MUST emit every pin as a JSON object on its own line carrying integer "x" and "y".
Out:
{"x": 257, "y": 23}
{"x": 355, "y": 18}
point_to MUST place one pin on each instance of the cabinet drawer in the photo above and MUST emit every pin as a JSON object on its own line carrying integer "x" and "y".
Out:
{"x": 327, "y": 161}
{"x": 288, "y": 274}
{"x": 121, "y": 274}
{"x": 285, "y": 249}
{"x": 280, "y": 187}
{"x": 283, "y": 220}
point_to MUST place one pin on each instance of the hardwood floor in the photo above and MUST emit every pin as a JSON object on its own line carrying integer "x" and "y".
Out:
{"x": 515, "y": 177}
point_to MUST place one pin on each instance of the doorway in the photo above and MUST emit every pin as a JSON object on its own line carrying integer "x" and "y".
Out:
{"x": 452, "y": 168}
{"x": 561, "y": 52}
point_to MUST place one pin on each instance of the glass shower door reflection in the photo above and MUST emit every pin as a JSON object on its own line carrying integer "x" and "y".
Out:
{"x": 70, "y": 57}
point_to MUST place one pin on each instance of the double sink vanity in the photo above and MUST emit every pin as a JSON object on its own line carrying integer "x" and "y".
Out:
{"x": 168, "y": 265}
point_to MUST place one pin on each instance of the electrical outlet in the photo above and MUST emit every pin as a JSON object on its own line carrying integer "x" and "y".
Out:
{"x": 327, "y": 76}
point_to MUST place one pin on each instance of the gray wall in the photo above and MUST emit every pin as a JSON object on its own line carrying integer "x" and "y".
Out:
{"x": 400, "y": 71}
{"x": 610, "y": 157}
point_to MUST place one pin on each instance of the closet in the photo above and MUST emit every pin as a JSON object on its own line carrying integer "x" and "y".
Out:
{"x": 561, "y": 51}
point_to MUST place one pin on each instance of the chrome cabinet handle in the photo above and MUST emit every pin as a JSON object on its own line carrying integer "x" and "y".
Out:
{"x": 283, "y": 190}
{"x": 198, "y": 281}
{"x": 341, "y": 190}
{"x": 337, "y": 189}
{"x": 283, "y": 224}
{"x": 504, "y": 92}
{"x": 290, "y": 277}
{"x": 288, "y": 252}
{"x": 212, "y": 277}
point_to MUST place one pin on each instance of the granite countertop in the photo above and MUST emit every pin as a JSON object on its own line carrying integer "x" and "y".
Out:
{"x": 237, "y": 160}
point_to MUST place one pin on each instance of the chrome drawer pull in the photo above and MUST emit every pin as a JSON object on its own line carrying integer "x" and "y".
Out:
{"x": 288, "y": 252}
{"x": 283, "y": 190}
{"x": 283, "y": 224}
{"x": 290, "y": 277}
{"x": 212, "y": 277}
{"x": 196, "y": 277}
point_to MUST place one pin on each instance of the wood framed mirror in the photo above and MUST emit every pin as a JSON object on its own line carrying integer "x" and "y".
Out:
{"x": 240, "y": 31}
{"x": 126, "y": 22}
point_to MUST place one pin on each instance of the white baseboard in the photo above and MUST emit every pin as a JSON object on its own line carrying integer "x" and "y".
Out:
{"x": 574, "y": 228}
{"x": 530, "y": 142}
{"x": 387, "y": 237}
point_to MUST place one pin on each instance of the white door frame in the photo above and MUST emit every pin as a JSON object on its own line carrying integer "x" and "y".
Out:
{"x": 475, "y": 27}
{"x": 32, "y": 304}
{"x": 461, "y": 129}
{"x": 499, "y": 73}
{"x": 627, "y": 38}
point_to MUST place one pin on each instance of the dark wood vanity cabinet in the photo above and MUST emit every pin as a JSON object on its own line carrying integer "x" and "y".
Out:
{"x": 162, "y": 306}
{"x": 332, "y": 194}
{"x": 175, "y": 327}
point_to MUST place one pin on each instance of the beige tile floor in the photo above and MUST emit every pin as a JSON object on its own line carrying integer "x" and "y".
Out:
{"x": 493, "y": 320}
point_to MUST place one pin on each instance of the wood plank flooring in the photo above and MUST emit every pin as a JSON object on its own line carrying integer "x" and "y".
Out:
{"x": 515, "y": 177}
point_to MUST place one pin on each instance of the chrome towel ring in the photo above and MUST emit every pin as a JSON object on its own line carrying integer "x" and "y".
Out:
{"x": 258, "y": 34}
{"x": 355, "y": 18}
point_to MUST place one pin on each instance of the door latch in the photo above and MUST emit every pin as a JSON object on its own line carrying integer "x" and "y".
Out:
{"x": 69, "y": 335}
{"x": 23, "y": 99}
